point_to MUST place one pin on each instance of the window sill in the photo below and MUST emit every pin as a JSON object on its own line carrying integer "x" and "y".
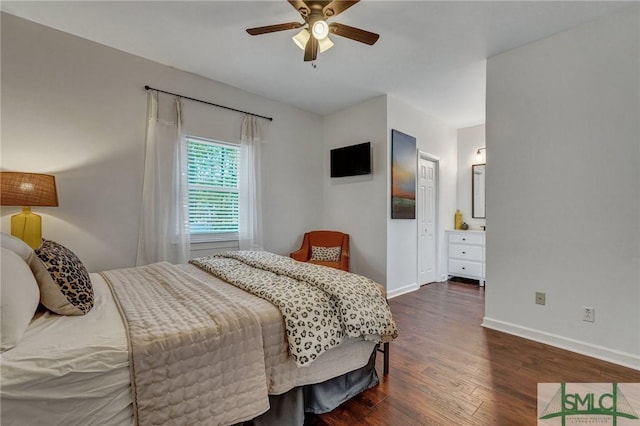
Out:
{"x": 215, "y": 238}
{"x": 208, "y": 242}
{"x": 206, "y": 248}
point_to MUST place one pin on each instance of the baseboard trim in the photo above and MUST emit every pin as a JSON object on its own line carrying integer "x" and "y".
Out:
{"x": 584, "y": 348}
{"x": 402, "y": 290}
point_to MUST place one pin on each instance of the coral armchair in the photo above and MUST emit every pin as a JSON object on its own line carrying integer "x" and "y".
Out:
{"x": 321, "y": 248}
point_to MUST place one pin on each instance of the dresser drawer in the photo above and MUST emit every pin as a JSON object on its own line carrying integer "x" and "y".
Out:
{"x": 463, "y": 238}
{"x": 464, "y": 252}
{"x": 461, "y": 267}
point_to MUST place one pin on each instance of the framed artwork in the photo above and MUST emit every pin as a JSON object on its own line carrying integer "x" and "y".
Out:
{"x": 403, "y": 176}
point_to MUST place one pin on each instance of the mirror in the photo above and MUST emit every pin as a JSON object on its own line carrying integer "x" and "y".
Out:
{"x": 477, "y": 191}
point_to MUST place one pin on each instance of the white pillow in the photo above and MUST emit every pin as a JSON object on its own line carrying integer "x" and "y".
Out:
{"x": 64, "y": 283}
{"x": 19, "y": 297}
{"x": 17, "y": 246}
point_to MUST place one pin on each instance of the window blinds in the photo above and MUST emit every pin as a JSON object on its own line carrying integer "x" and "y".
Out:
{"x": 213, "y": 189}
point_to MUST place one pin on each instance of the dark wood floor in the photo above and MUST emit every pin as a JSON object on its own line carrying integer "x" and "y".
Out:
{"x": 447, "y": 369}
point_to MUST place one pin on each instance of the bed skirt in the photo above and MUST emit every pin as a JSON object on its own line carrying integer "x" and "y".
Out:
{"x": 290, "y": 408}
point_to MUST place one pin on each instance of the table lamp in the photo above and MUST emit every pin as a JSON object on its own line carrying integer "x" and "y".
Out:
{"x": 27, "y": 190}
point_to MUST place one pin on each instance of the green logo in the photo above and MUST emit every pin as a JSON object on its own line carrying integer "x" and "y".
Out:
{"x": 612, "y": 404}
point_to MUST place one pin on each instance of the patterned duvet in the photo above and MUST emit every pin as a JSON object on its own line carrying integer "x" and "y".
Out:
{"x": 321, "y": 306}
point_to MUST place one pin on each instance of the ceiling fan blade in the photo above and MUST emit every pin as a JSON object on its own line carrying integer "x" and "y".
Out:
{"x": 274, "y": 28}
{"x": 311, "y": 49}
{"x": 301, "y": 7}
{"x": 353, "y": 33}
{"x": 336, "y": 7}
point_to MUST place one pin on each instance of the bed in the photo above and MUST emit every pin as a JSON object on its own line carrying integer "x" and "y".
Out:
{"x": 78, "y": 369}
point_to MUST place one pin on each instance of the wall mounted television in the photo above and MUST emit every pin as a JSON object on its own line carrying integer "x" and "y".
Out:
{"x": 351, "y": 160}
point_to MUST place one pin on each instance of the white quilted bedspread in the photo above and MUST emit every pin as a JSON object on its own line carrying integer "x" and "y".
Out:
{"x": 196, "y": 356}
{"x": 321, "y": 306}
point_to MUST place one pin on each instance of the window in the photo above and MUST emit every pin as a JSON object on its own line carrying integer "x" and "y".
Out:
{"x": 213, "y": 190}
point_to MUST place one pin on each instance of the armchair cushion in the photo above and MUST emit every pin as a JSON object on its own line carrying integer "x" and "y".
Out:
{"x": 325, "y": 263}
{"x": 327, "y": 248}
{"x": 326, "y": 254}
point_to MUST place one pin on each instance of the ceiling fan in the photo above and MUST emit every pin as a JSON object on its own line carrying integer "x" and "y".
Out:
{"x": 316, "y": 29}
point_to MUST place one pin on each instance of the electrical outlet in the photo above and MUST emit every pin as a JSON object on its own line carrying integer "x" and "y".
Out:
{"x": 588, "y": 314}
{"x": 540, "y": 298}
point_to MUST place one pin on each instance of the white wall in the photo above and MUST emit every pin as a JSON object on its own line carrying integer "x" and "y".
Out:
{"x": 385, "y": 250}
{"x": 77, "y": 109}
{"x": 563, "y": 188}
{"x": 469, "y": 140}
{"x": 433, "y": 137}
{"x": 357, "y": 205}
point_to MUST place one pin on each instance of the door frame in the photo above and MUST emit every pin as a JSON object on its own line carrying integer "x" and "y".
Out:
{"x": 430, "y": 157}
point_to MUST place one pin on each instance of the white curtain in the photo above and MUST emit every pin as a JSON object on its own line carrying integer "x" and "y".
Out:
{"x": 250, "y": 215}
{"x": 164, "y": 219}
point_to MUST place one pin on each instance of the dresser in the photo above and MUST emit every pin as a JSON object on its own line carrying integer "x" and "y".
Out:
{"x": 465, "y": 254}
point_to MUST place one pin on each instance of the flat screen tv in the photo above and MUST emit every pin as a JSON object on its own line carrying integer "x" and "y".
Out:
{"x": 351, "y": 160}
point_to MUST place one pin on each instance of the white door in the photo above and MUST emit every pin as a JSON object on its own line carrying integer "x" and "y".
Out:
{"x": 427, "y": 184}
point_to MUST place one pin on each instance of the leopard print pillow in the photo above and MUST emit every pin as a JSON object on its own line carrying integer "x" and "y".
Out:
{"x": 65, "y": 286}
{"x": 326, "y": 254}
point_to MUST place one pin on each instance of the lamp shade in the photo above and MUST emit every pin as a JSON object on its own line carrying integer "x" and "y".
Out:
{"x": 325, "y": 44}
{"x": 301, "y": 38}
{"x": 28, "y": 189}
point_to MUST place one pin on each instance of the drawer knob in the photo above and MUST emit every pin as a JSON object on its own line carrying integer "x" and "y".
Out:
{"x": 464, "y": 252}
{"x": 464, "y": 268}
{"x": 464, "y": 239}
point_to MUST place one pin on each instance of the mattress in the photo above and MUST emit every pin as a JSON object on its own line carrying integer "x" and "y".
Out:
{"x": 69, "y": 369}
{"x": 75, "y": 370}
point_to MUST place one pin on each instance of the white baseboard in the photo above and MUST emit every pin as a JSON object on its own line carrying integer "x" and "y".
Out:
{"x": 584, "y": 348}
{"x": 402, "y": 290}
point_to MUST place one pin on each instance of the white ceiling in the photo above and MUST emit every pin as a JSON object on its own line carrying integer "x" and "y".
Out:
{"x": 431, "y": 54}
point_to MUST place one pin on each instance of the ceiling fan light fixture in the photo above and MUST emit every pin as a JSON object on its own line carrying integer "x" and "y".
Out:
{"x": 325, "y": 44}
{"x": 313, "y": 34}
{"x": 320, "y": 29}
{"x": 301, "y": 38}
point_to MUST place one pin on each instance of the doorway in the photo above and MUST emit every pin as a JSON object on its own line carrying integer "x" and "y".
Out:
{"x": 428, "y": 177}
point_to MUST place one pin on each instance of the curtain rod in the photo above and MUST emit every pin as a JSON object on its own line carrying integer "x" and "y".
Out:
{"x": 208, "y": 103}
